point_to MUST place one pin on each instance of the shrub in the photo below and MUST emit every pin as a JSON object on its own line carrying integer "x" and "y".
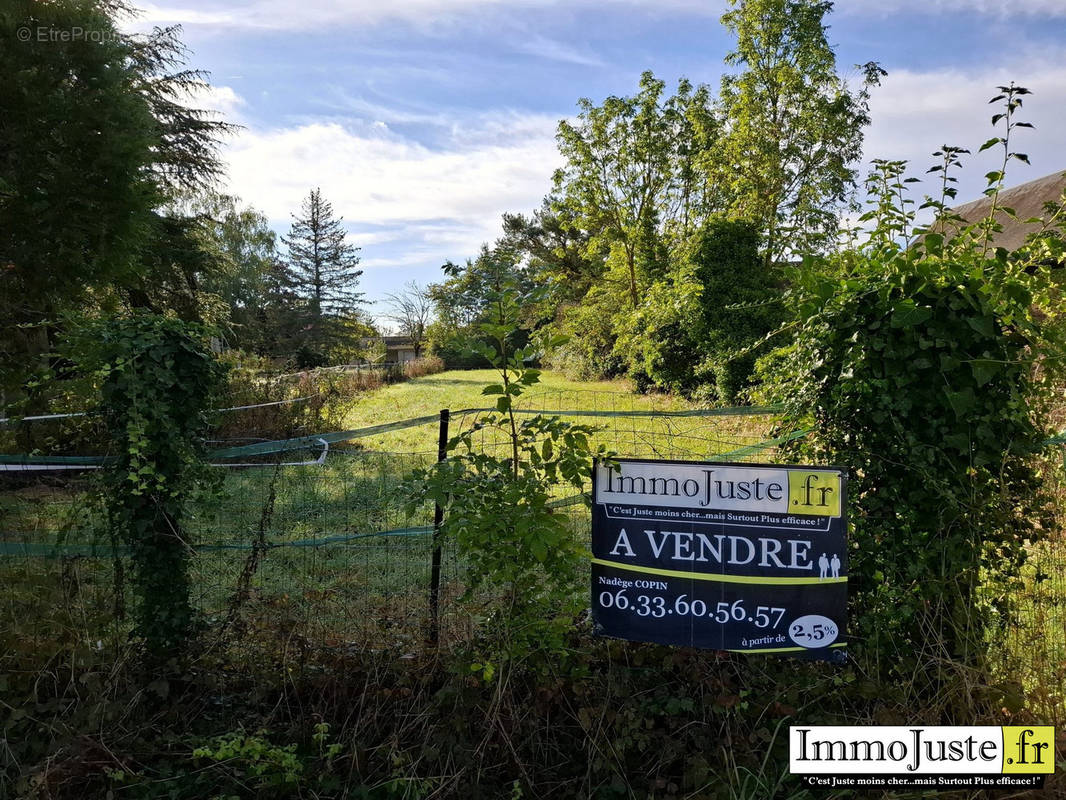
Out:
{"x": 427, "y": 365}
{"x": 587, "y": 351}
{"x": 918, "y": 366}
{"x": 497, "y": 506}
{"x": 698, "y": 328}
{"x": 158, "y": 378}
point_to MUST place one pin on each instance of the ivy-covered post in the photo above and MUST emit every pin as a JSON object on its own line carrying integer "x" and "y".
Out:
{"x": 158, "y": 377}
{"x": 925, "y": 359}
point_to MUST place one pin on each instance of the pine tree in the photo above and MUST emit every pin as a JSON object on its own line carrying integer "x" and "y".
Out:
{"x": 322, "y": 270}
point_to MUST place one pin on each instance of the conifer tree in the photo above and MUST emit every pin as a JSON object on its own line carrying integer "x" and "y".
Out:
{"x": 322, "y": 271}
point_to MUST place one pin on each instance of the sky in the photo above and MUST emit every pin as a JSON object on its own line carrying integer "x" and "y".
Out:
{"x": 423, "y": 121}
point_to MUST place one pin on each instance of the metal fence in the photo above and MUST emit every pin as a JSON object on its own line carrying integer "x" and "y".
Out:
{"x": 310, "y": 544}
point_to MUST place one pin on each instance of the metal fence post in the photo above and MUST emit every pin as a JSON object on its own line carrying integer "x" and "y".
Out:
{"x": 438, "y": 516}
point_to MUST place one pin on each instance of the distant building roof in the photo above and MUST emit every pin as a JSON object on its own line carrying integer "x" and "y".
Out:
{"x": 1027, "y": 200}
{"x": 390, "y": 341}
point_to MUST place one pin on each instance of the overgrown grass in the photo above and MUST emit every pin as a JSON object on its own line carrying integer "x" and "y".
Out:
{"x": 335, "y": 632}
{"x": 325, "y": 572}
{"x": 666, "y": 437}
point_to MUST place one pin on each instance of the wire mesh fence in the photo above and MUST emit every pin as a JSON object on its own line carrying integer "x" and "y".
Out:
{"x": 314, "y": 545}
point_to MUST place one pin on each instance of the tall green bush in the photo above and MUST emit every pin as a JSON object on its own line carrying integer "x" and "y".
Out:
{"x": 924, "y": 362}
{"x": 697, "y": 330}
{"x": 157, "y": 379}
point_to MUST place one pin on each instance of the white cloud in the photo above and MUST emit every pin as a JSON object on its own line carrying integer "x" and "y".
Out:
{"x": 427, "y": 204}
{"x": 311, "y": 14}
{"x": 553, "y": 50}
{"x": 443, "y": 201}
{"x": 991, "y": 8}
{"x": 914, "y": 113}
{"x": 220, "y": 99}
{"x": 337, "y": 99}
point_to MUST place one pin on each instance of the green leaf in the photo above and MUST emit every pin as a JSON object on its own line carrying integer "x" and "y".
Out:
{"x": 961, "y": 402}
{"x": 503, "y": 403}
{"x": 990, "y": 143}
{"x": 539, "y": 549}
{"x": 984, "y": 370}
{"x": 493, "y": 388}
{"x": 983, "y": 325}
{"x": 906, "y": 314}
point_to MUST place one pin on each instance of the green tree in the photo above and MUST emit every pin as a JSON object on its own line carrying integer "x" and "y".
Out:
{"x": 793, "y": 127}
{"x": 322, "y": 270}
{"x": 629, "y": 180}
{"x": 61, "y": 235}
{"x": 93, "y": 142}
{"x": 557, "y": 249}
{"x": 248, "y": 277}
{"x": 699, "y": 327}
{"x": 463, "y": 299}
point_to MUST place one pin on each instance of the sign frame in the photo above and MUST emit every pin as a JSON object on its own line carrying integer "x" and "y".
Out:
{"x": 735, "y": 610}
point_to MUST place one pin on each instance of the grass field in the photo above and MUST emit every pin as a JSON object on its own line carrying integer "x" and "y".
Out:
{"x": 678, "y": 437}
{"x": 328, "y": 567}
{"x": 331, "y": 578}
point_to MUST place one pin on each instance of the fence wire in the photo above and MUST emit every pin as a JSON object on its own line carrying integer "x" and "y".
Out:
{"x": 332, "y": 557}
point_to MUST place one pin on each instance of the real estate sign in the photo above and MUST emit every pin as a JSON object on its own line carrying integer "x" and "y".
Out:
{"x": 742, "y": 557}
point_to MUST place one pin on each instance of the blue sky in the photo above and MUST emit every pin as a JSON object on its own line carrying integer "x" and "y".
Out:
{"x": 424, "y": 120}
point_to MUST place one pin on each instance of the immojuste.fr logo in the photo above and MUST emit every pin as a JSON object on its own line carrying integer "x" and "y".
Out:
{"x": 922, "y": 756}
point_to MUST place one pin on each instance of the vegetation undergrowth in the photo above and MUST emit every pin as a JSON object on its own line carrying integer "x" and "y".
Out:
{"x": 925, "y": 358}
{"x": 496, "y": 502}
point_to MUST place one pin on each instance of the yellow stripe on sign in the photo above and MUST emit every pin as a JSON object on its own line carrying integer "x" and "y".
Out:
{"x": 814, "y": 492}
{"x": 786, "y": 649}
{"x": 1028, "y": 749}
{"x": 703, "y": 576}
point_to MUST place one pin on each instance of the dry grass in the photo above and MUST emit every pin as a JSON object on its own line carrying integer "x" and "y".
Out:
{"x": 427, "y": 365}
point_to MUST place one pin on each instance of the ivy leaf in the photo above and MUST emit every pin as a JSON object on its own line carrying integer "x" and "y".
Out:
{"x": 907, "y": 313}
{"x": 984, "y": 370}
{"x": 961, "y": 402}
{"x": 983, "y": 325}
